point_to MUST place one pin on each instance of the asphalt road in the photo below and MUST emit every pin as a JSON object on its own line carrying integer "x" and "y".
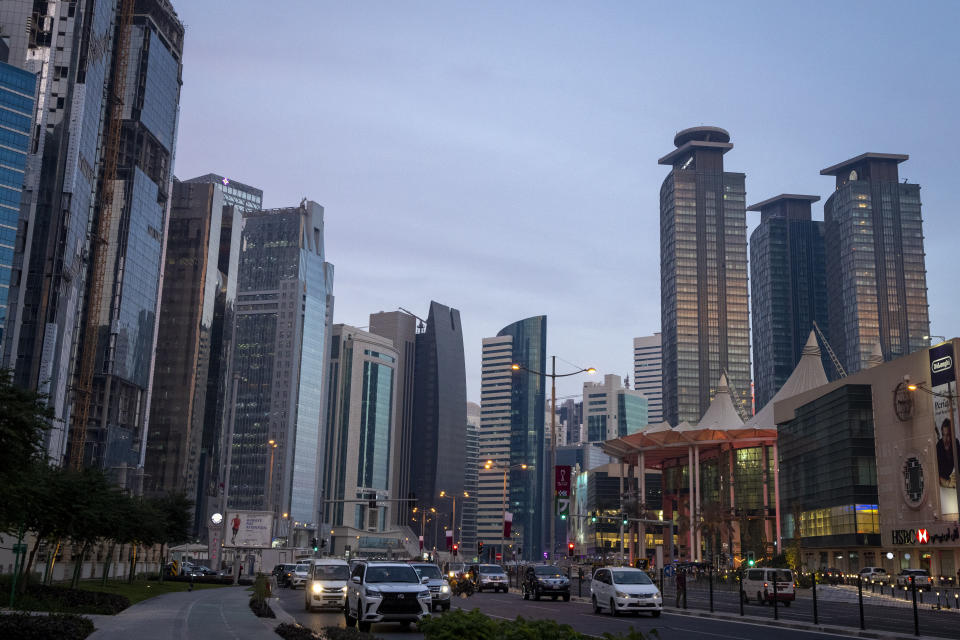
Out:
{"x": 577, "y": 614}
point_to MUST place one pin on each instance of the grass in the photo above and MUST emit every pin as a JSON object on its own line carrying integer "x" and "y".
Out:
{"x": 140, "y": 590}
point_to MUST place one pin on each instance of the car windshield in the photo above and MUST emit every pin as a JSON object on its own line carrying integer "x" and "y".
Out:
{"x": 783, "y": 576}
{"x": 490, "y": 568}
{"x": 331, "y": 572}
{"x": 546, "y": 570}
{"x": 428, "y": 571}
{"x": 916, "y": 572}
{"x": 631, "y": 577}
{"x": 403, "y": 573}
{"x": 302, "y": 567}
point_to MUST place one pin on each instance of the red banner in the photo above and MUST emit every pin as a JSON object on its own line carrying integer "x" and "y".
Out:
{"x": 507, "y": 524}
{"x": 562, "y": 481}
{"x": 449, "y": 539}
{"x": 421, "y": 543}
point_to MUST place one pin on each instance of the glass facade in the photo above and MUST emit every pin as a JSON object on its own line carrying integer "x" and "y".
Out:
{"x": 376, "y": 414}
{"x": 828, "y": 472}
{"x": 17, "y": 96}
{"x": 788, "y": 289}
{"x": 877, "y": 291}
{"x": 529, "y": 494}
{"x": 631, "y": 414}
{"x": 703, "y": 276}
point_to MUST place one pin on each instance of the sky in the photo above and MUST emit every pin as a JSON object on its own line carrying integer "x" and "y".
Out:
{"x": 501, "y": 157}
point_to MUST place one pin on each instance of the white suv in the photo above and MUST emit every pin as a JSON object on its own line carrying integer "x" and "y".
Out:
{"x": 619, "y": 589}
{"x": 300, "y": 575}
{"x": 386, "y": 592}
{"x": 874, "y": 574}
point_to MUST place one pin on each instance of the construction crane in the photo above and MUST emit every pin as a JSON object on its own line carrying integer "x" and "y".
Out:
{"x": 421, "y": 323}
{"x": 739, "y": 404}
{"x": 83, "y": 383}
{"x": 833, "y": 357}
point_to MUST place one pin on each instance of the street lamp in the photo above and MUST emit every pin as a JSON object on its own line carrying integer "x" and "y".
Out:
{"x": 930, "y": 338}
{"x": 921, "y": 386}
{"x": 453, "y": 524}
{"x": 423, "y": 521}
{"x": 553, "y": 375}
{"x": 273, "y": 447}
{"x": 490, "y": 464}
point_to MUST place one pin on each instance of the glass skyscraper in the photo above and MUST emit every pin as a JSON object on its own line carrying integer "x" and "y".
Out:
{"x": 703, "y": 276}
{"x": 876, "y": 284}
{"x": 788, "y": 288}
{"x": 18, "y": 90}
{"x": 280, "y": 339}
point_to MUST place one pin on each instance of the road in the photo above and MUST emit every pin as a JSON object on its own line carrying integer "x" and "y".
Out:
{"x": 579, "y": 615}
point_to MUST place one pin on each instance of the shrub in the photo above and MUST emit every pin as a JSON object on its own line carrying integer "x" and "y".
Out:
{"x": 295, "y": 632}
{"x": 22, "y": 626}
{"x": 349, "y": 633}
{"x": 473, "y": 625}
{"x": 66, "y": 600}
{"x": 298, "y": 632}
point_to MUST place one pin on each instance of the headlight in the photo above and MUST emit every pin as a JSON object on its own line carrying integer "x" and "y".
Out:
{"x": 344, "y": 589}
{"x": 424, "y": 595}
{"x": 445, "y": 589}
{"x": 317, "y": 588}
{"x": 374, "y": 593}
{"x": 453, "y": 574}
{"x": 621, "y": 594}
{"x": 656, "y": 596}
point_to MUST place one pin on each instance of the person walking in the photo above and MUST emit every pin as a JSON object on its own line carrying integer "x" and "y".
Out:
{"x": 681, "y": 583}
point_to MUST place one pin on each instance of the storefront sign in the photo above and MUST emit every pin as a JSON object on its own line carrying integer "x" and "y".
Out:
{"x": 942, "y": 381}
{"x": 924, "y": 536}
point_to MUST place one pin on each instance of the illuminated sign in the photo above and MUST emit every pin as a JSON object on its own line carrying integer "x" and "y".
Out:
{"x": 923, "y": 536}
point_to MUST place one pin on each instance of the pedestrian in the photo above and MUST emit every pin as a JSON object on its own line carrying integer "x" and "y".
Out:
{"x": 681, "y": 583}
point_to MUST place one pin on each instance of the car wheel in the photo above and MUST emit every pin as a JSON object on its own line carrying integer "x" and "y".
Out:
{"x": 613, "y": 608}
{"x": 363, "y": 627}
{"x": 596, "y": 606}
{"x": 526, "y": 596}
{"x": 655, "y": 614}
{"x": 566, "y": 597}
{"x": 760, "y": 598}
{"x": 350, "y": 620}
{"x": 536, "y": 593}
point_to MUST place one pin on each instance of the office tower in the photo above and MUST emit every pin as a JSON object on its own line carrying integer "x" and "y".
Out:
{"x": 440, "y": 414}
{"x": 612, "y": 411}
{"x": 570, "y": 417}
{"x": 787, "y": 284}
{"x": 281, "y": 336}
{"x": 876, "y": 275}
{"x": 401, "y": 327}
{"x": 18, "y": 89}
{"x": 190, "y": 386}
{"x": 468, "y": 521}
{"x": 648, "y": 374}
{"x": 361, "y": 438}
{"x": 703, "y": 275}
{"x": 512, "y": 434}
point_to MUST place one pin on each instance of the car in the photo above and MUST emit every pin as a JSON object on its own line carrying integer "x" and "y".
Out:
{"x": 620, "y": 589}
{"x": 759, "y": 583}
{"x": 545, "y": 580}
{"x": 438, "y": 585}
{"x": 874, "y": 574}
{"x": 386, "y": 592}
{"x": 919, "y": 577}
{"x": 300, "y": 575}
{"x": 830, "y": 575}
{"x": 285, "y": 574}
{"x": 490, "y": 576}
{"x": 326, "y": 585}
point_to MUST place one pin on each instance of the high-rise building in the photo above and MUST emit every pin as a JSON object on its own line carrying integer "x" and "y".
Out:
{"x": 440, "y": 415}
{"x": 612, "y": 411}
{"x": 788, "y": 288}
{"x": 401, "y": 328}
{"x": 281, "y": 337}
{"x": 190, "y": 382}
{"x": 471, "y": 470}
{"x": 648, "y": 374}
{"x": 703, "y": 275}
{"x": 512, "y": 434}
{"x": 876, "y": 273}
{"x": 569, "y": 419}
{"x": 361, "y": 433}
{"x": 18, "y": 90}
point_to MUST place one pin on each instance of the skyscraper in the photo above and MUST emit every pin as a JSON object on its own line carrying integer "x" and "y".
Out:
{"x": 361, "y": 435}
{"x": 280, "y": 340}
{"x": 190, "y": 387}
{"x": 703, "y": 275}
{"x": 471, "y": 469}
{"x": 876, "y": 272}
{"x": 787, "y": 284}
{"x": 401, "y": 328}
{"x": 440, "y": 413}
{"x": 648, "y": 374}
{"x": 512, "y": 434}
{"x": 611, "y": 411}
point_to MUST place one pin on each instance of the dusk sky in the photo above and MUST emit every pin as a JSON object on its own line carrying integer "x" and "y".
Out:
{"x": 501, "y": 157}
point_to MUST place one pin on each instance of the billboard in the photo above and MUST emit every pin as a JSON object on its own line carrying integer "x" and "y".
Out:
{"x": 562, "y": 489}
{"x": 248, "y": 529}
{"x": 943, "y": 384}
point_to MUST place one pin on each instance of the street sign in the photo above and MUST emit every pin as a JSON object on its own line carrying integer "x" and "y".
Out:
{"x": 669, "y": 570}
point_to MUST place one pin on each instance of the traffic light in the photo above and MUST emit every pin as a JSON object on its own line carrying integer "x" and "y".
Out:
{"x": 479, "y": 548}
{"x": 751, "y": 559}
{"x": 563, "y": 516}
{"x": 570, "y": 548}
{"x": 456, "y": 547}
{"x": 593, "y": 518}
{"x": 314, "y": 544}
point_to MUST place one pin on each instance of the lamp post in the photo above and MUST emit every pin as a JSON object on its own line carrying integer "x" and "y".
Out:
{"x": 453, "y": 524}
{"x": 553, "y": 375}
{"x": 423, "y": 521}
{"x": 953, "y": 427}
{"x": 273, "y": 447}
{"x": 490, "y": 464}
{"x": 930, "y": 338}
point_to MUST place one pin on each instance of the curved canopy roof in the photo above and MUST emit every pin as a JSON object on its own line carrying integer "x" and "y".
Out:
{"x": 808, "y": 374}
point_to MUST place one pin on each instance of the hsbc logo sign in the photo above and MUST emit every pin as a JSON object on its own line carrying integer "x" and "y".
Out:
{"x": 941, "y": 364}
{"x": 913, "y": 536}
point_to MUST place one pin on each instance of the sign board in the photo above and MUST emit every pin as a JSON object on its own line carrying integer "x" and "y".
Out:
{"x": 669, "y": 570}
{"x": 562, "y": 489}
{"x": 942, "y": 381}
{"x": 248, "y": 529}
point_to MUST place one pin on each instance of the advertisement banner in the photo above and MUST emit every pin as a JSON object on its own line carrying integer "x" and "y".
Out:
{"x": 943, "y": 385}
{"x": 449, "y": 539}
{"x": 507, "y": 524}
{"x": 562, "y": 489}
{"x": 249, "y": 529}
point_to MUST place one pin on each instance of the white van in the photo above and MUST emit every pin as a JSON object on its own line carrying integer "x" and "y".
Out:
{"x": 758, "y": 583}
{"x": 620, "y": 589}
{"x": 326, "y": 585}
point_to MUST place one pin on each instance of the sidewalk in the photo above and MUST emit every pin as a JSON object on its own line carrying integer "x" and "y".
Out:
{"x": 208, "y": 614}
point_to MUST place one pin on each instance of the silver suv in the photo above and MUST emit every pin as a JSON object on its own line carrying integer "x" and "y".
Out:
{"x": 386, "y": 592}
{"x": 438, "y": 585}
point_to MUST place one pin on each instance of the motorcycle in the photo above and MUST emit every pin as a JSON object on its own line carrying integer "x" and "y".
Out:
{"x": 462, "y": 586}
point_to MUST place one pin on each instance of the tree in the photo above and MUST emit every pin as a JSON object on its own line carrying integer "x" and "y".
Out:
{"x": 174, "y": 511}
